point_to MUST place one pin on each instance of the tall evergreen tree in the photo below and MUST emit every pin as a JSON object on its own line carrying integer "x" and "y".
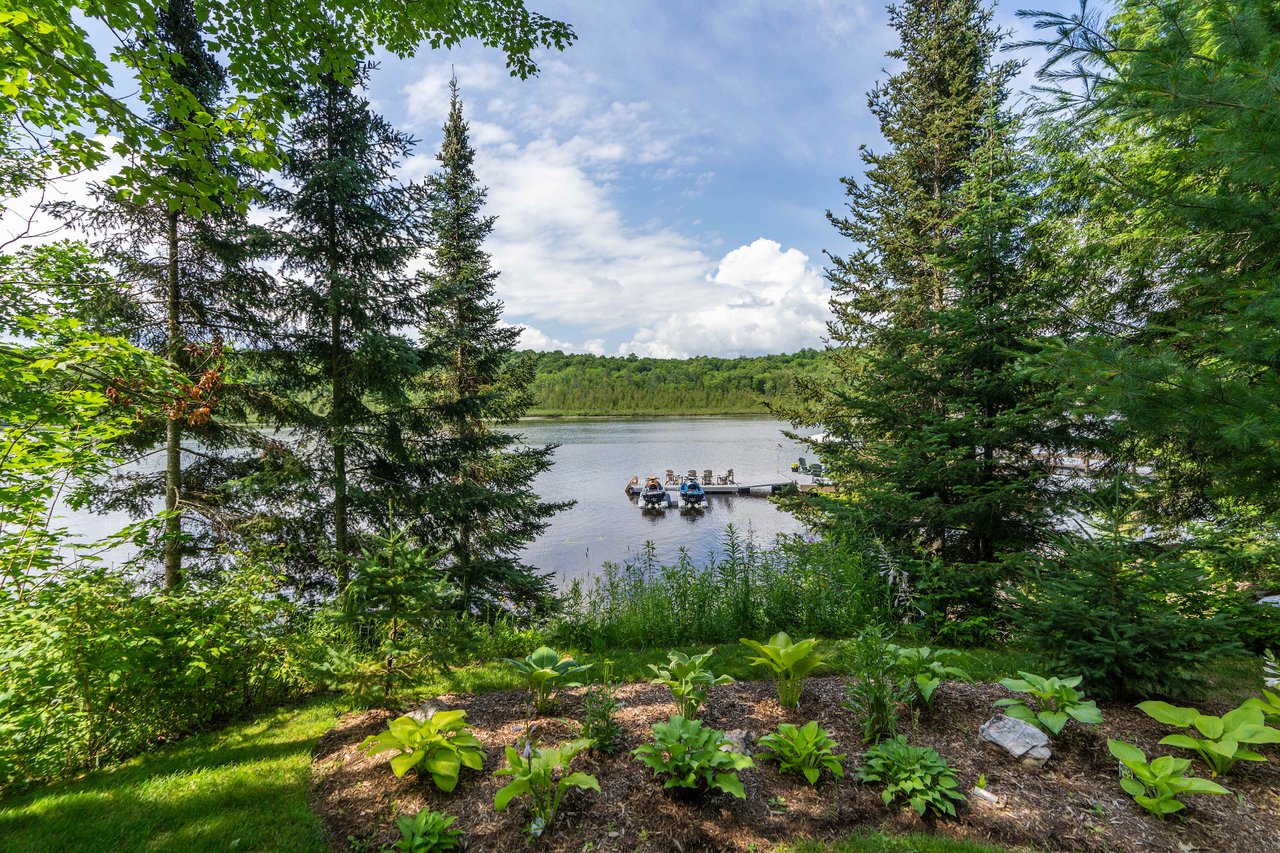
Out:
{"x": 191, "y": 286}
{"x": 937, "y": 429}
{"x": 476, "y": 500}
{"x": 340, "y": 368}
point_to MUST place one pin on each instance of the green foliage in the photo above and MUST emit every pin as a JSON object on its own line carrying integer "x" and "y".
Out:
{"x": 688, "y": 680}
{"x": 543, "y": 776}
{"x": 545, "y": 672}
{"x": 1271, "y": 669}
{"x": 916, "y": 774}
{"x": 441, "y": 745}
{"x": 427, "y": 831}
{"x": 788, "y": 662}
{"x": 1051, "y": 702}
{"x": 398, "y": 603}
{"x": 94, "y": 668}
{"x": 876, "y": 688}
{"x": 1268, "y": 704}
{"x": 829, "y": 588}
{"x": 941, "y": 295}
{"x": 600, "y": 726}
{"x": 55, "y": 78}
{"x": 1130, "y": 613}
{"x": 806, "y": 750}
{"x": 693, "y": 757}
{"x": 1221, "y": 745}
{"x": 1159, "y": 786}
{"x": 472, "y": 483}
{"x": 612, "y": 385}
{"x": 1173, "y": 260}
{"x": 924, "y": 669}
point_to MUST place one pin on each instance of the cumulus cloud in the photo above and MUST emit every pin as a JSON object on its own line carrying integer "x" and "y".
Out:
{"x": 761, "y": 298}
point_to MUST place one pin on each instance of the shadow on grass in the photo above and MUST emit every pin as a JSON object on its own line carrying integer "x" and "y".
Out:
{"x": 243, "y": 787}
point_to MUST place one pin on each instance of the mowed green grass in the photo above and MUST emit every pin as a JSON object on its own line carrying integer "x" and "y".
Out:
{"x": 241, "y": 788}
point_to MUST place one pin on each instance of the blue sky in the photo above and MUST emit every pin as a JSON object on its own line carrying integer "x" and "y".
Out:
{"x": 661, "y": 187}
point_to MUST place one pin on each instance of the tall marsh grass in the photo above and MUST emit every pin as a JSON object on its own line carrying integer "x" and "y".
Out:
{"x": 826, "y": 588}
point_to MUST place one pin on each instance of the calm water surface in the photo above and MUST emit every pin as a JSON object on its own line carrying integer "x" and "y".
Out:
{"x": 597, "y": 457}
{"x": 595, "y": 460}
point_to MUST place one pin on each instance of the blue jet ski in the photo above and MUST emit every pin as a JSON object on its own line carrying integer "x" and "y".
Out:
{"x": 691, "y": 493}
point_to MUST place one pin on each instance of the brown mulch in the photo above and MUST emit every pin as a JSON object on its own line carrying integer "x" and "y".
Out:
{"x": 1074, "y": 803}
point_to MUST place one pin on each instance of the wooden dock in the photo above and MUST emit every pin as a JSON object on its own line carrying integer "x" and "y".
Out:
{"x": 760, "y": 490}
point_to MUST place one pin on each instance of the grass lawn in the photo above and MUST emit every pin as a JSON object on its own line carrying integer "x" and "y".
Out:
{"x": 243, "y": 787}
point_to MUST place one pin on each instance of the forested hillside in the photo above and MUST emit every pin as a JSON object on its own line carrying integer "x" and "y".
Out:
{"x": 617, "y": 385}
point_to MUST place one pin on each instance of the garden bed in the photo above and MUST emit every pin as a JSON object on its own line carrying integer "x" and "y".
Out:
{"x": 1073, "y": 803}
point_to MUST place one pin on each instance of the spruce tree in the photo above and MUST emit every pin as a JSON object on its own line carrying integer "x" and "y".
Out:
{"x": 340, "y": 365}
{"x": 191, "y": 287}
{"x": 937, "y": 430}
{"x": 475, "y": 501}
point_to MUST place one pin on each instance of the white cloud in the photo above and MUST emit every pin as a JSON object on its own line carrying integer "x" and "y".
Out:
{"x": 531, "y": 338}
{"x": 760, "y": 299}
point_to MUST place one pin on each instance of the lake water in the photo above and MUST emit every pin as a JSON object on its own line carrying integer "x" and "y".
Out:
{"x": 596, "y": 458}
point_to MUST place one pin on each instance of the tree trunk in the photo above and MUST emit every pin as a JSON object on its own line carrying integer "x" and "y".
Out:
{"x": 173, "y": 431}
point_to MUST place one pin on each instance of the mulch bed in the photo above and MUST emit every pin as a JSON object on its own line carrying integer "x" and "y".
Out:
{"x": 1074, "y": 803}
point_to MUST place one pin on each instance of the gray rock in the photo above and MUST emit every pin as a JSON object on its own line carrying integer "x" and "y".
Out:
{"x": 1021, "y": 740}
{"x": 1273, "y": 600}
{"x": 427, "y": 710}
{"x": 739, "y": 741}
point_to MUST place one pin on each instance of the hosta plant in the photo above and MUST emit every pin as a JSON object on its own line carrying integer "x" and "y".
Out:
{"x": 692, "y": 756}
{"x": 788, "y": 662}
{"x": 1159, "y": 786}
{"x": 545, "y": 672}
{"x": 1269, "y": 705}
{"x": 688, "y": 679}
{"x": 542, "y": 774}
{"x": 916, "y": 774}
{"x": 1271, "y": 669}
{"x": 442, "y": 745}
{"x": 1220, "y": 743}
{"x": 1050, "y": 704}
{"x": 426, "y": 832}
{"x": 924, "y": 669}
{"x": 806, "y": 750}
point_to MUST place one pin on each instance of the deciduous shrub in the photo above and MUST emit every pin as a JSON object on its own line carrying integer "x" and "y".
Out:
{"x": 543, "y": 776}
{"x": 694, "y": 757}
{"x": 1050, "y": 704}
{"x": 442, "y": 745}
{"x": 94, "y": 668}
{"x": 788, "y": 662}
{"x": 806, "y": 750}
{"x": 1220, "y": 747}
{"x": 546, "y": 672}
{"x": 1159, "y": 786}
{"x": 688, "y": 680}
{"x": 916, "y": 774}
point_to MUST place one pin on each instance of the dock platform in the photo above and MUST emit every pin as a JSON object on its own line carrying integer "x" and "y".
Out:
{"x": 746, "y": 490}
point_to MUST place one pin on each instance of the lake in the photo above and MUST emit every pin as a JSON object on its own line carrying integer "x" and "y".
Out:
{"x": 596, "y": 458}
